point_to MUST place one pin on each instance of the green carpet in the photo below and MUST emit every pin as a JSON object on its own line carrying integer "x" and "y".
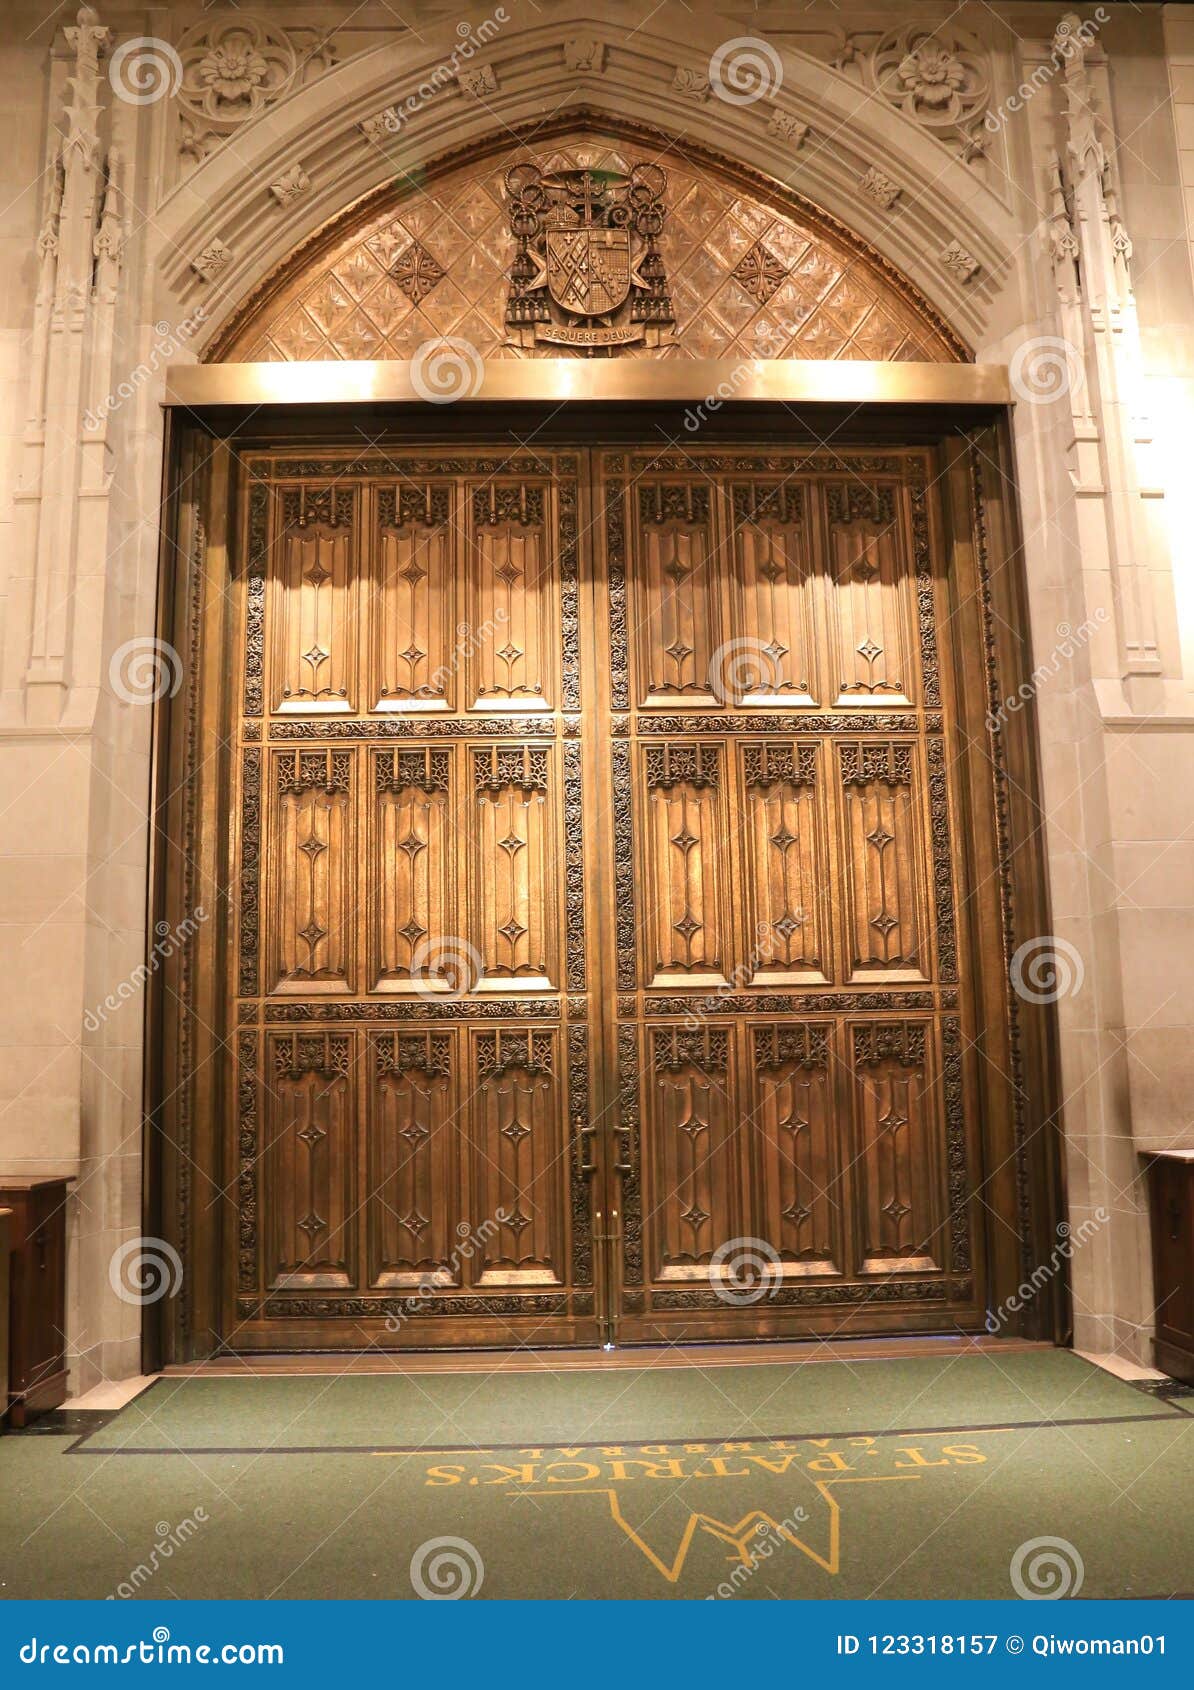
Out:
{"x": 796, "y": 1494}
{"x": 439, "y": 1411}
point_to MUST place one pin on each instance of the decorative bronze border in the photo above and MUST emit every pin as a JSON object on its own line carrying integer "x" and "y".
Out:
{"x": 576, "y": 971}
{"x": 768, "y": 722}
{"x": 922, "y": 560}
{"x": 785, "y": 1003}
{"x": 405, "y": 1308}
{"x": 250, "y": 871}
{"x": 254, "y": 704}
{"x": 629, "y": 1141}
{"x": 248, "y": 1139}
{"x": 277, "y": 470}
{"x": 579, "y": 1110}
{"x": 184, "y": 1131}
{"x": 615, "y": 580}
{"x": 860, "y": 1292}
{"x": 789, "y": 465}
{"x": 624, "y": 911}
{"x": 995, "y": 694}
{"x": 420, "y": 727}
{"x": 958, "y": 1179}
{"x": 943, "y": 888}
{"x": 566, "y": 520}
{"x": 460, "y": 1010}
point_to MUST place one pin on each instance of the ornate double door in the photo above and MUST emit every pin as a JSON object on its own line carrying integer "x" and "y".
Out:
{"x": 600, "y": 930}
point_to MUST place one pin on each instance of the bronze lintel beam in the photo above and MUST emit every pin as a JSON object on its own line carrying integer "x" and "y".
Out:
{"x": 705, "y": 384}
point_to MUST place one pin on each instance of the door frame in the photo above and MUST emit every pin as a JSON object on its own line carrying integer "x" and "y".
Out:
{"x": 214, "y": 411}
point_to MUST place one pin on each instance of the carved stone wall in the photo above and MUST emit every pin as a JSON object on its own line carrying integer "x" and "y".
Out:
{"x": 748, "y": 274}
{"x": 137, "y": 226}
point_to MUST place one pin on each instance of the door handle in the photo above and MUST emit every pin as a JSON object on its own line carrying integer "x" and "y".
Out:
{"x": 584, "y": 1150}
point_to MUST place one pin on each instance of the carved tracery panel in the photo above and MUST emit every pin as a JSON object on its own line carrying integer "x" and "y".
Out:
{"x": 412, "y": 1083}
{"x": 314, "y": 596}
{"x": 414, "y": 897}
{"x": 310, "y": 1223}
{"x": 787, "y": 865}
{"x": 787, "y": 949}
{"x": 799, "y": 1147}
{"x": 416, "y": 557}
{"x": 414, "y": 1194}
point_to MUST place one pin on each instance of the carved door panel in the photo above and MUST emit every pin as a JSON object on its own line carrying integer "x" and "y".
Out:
{"x": 599, "y": 960}
{"x": 797, "y": 1114}
{"x": 410, "y": 1089}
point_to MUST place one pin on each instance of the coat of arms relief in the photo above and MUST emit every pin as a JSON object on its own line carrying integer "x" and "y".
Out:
{"x": 587, "y": 269}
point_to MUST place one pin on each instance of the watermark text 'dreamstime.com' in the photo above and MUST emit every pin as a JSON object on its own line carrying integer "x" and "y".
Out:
{"x": 153, "y": 1651}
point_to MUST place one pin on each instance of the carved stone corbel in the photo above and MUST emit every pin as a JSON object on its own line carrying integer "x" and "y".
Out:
{"x": 585, "y": 54}
{"x": 212, "y": 261}
{"x": 290, "y": 186}
{"x": 693, "y": 84}
{"x": 785, "y": 127}
{"x": 478, "y": 80}
{"x": 880, "y": 187}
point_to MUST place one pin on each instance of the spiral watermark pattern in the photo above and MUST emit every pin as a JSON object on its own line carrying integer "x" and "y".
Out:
{"x": 448, "y": 961}
{"x": 443, "y": 371}
{"x": 144, "y": 71}
{"x": 144, "y": 1270}
{"x": 445, "y": 1569}
{"x": 142, "y": 671}
{"x": 1046, "y": 1569}
{"x": 744, "y": 70}
{"x": 1045, "y": 369}
{"x": 744, "y": 1270}
{"x": 1047, "y": 968}
{"x": 744, "y": 666}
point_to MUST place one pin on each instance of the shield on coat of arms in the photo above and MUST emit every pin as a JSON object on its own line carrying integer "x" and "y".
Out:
{"x": 588, "y": 270}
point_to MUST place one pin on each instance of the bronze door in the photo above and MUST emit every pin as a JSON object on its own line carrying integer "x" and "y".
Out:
{"x": 414, "y": 1041}
{"x": 598, "y": 954}
{"x": 797, "y": 1090}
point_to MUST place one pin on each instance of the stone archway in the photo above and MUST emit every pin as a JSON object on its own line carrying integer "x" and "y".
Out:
{"x": 876, "y": 175}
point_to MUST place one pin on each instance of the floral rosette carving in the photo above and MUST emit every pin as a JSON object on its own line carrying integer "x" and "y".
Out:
{"x": 939, "y": 78}
{"x": 233, "y": 67}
